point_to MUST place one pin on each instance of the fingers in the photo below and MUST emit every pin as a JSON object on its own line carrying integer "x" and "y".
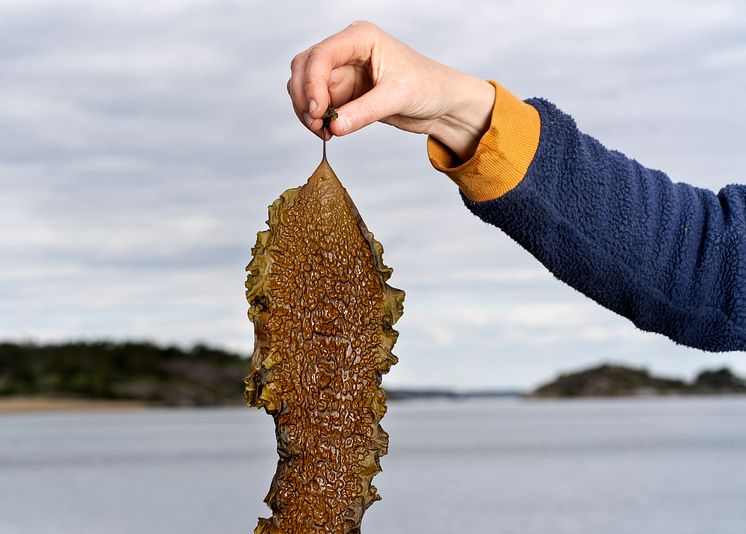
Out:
{"x": 345, "y": 84}
{"x": 348, "y": 83}
{"x": 376, "y": 104}
{"x": 337, "y": 72}
{"x": 298, "y": 95}
{"x": 295, "y": 87}
{"x": 351, "y": 46}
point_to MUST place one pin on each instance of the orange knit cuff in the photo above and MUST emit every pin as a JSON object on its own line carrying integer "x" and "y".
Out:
{"x": 504, "y": 152}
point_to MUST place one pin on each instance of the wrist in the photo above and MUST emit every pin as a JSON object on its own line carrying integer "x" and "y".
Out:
{"x": 503, "y": 154}
{"x": 468, "y": 117}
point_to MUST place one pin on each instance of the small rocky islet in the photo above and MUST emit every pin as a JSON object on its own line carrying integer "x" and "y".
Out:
{"x": 620, "y": 381}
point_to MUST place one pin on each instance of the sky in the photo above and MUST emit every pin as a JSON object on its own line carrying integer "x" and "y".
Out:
{"x": 141, "y": 142}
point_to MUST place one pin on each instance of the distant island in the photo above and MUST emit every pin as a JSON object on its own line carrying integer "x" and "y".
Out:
{"x": 110, "y": 375}
{"x": 619, "y": 381}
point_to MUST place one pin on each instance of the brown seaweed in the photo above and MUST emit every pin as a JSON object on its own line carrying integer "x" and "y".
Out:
{"x": 323, "y": 316}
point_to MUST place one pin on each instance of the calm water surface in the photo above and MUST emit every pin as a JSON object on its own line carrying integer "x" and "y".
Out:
{"x": 636, "y": 466}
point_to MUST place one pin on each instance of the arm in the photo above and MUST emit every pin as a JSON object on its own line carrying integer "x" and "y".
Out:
{"x": 670, "y": 257}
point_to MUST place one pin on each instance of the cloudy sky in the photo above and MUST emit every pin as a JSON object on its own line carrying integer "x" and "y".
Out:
{"x": 141, "y": 142}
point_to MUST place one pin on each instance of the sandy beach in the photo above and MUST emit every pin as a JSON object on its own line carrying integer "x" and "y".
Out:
{"x": 11, "y": 405}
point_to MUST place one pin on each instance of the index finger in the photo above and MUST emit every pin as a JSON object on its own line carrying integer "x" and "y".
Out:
{"x": 351, "y": 46}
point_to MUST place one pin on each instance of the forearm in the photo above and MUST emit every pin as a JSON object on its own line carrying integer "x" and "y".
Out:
{"x": 670, "y": 257}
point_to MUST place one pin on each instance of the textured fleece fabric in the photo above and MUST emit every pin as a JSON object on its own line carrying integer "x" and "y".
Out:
{"x": 668, "y": 256}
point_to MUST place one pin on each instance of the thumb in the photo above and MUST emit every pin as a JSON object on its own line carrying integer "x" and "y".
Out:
{"x": 376, "y": 104}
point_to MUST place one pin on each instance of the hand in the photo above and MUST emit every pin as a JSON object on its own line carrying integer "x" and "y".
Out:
{"x": 369, "y": 76}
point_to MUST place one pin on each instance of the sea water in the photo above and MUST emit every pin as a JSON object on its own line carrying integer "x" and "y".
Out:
{"x": 628, "y": 466}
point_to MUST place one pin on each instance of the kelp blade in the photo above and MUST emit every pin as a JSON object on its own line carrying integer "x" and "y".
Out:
{"x": 323, "y": 316}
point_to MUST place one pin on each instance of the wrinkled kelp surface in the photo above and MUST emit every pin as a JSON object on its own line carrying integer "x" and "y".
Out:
{"x": 323, "y": 317}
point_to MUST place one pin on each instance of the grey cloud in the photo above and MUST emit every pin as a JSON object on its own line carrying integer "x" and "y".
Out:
{"x": 142, "y": 143}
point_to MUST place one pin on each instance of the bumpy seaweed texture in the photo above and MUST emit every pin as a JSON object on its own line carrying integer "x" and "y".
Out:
{"x": 323, "y": 317}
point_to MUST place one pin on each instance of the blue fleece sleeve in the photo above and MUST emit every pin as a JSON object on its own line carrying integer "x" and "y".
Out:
{"x": 668, "y": 256}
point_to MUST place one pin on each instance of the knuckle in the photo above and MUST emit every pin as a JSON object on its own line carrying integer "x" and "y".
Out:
{"x": 297, "y": 60}
{"x": 363, "y": 25}
{"x": 316, "y": 50}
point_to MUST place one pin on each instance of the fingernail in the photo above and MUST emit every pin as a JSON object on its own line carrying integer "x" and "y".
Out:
{"x": 307, "y": 119}
{"x": 312, "y": 105}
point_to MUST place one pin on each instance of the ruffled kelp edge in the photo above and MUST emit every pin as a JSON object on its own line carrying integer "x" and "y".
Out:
{"x": 259, "y": 390}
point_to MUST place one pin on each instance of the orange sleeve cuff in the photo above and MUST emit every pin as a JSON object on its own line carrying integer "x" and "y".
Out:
{"x": 504, "y": 152}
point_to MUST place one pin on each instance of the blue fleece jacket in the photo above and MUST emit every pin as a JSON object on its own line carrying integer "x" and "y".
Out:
{"x": 668, "y": 256}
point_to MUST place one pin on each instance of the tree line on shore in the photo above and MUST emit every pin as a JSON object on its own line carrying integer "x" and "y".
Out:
{"x": 140, "y": 371}
{"x": 204, "y": 376}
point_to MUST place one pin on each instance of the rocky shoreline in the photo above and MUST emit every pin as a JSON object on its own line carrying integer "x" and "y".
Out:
{"x": 620, "y": 381}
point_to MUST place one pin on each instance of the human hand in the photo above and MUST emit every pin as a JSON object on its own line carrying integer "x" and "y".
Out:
{"x": 369, "y": 76}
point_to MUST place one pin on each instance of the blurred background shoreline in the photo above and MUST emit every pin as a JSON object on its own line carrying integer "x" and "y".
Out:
{"x": 108, "y": 375}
